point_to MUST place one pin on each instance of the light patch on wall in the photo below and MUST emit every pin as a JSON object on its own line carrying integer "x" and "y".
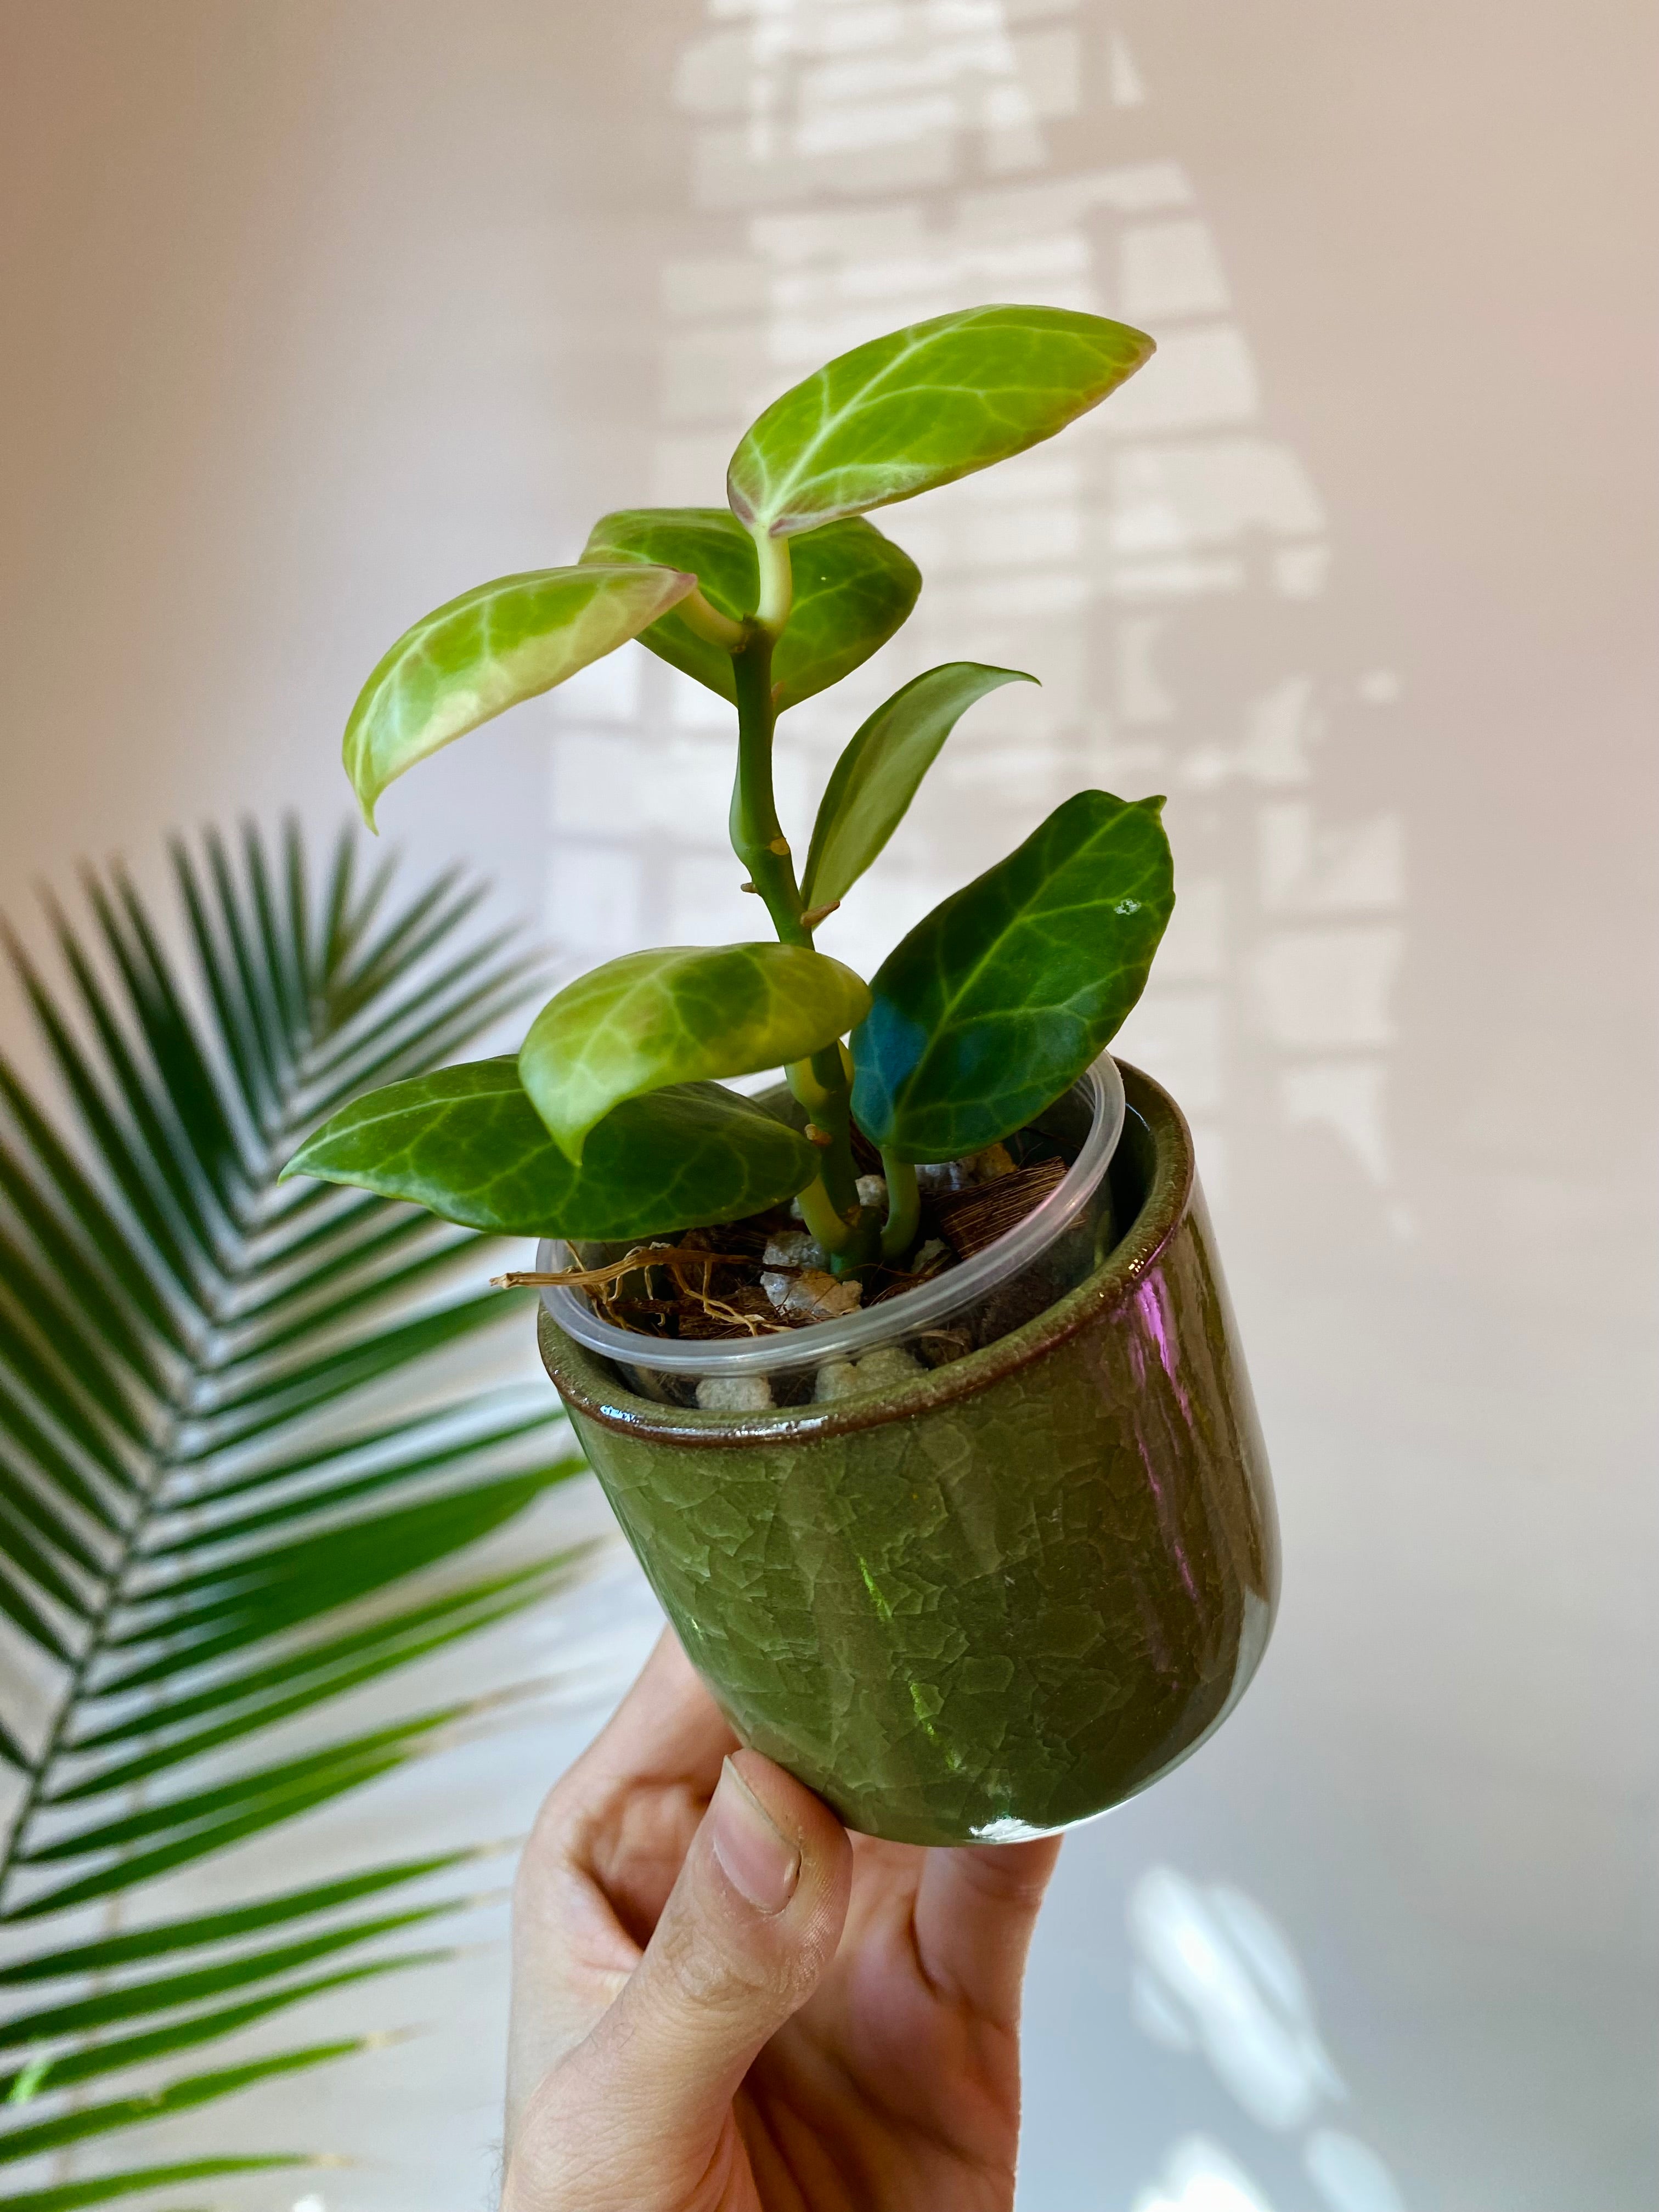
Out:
{"x": 1316, "y": 988}
{"x": 1199, "y": 2176}
{"x": 1169, "y": 269}
{"x": 1346, "y": 1097}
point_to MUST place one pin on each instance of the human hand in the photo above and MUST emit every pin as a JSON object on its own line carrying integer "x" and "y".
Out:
{"x": 722, "y": 2002}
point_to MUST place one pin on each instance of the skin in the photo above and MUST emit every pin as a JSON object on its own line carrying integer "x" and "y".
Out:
{"x": 724, "y": 2002}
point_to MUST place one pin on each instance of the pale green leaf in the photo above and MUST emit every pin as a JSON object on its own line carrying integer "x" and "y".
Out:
{"x": 922, "y": 406}
{"x": 484, "y": 652}
{"x": 679, "y": 1015}
{"x": 853, "y": 588}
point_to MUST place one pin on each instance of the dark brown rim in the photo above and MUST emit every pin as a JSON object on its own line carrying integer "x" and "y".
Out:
{"x": 588, "y": 1391}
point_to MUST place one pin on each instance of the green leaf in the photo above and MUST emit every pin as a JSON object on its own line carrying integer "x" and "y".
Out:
{"x": 174, "y": 1333}
{"x": 64, "y": 2069}
{"x": 468, "y": 1143}
{"x": 677, "y": 1015}
{"x": 76, "y": 2196}
{"x": 1003, "y": 994}
{"x": 484, "y": 652}
{"x": 165, "y": 1937}
{"x": 853, "y": 588}
{"x": 180, "y": 2096}
{"x": 921, "y": 407}
{"x": 871, "y": 785}
{"x": 166, "y": 1993}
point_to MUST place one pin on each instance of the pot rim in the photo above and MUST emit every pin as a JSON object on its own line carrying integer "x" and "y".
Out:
{"x": 852, "y": 1334}
{"x": 588, "y": 1390}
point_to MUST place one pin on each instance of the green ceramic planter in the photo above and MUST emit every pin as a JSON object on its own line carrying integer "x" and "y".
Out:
{"x": 1000, "y": 1597}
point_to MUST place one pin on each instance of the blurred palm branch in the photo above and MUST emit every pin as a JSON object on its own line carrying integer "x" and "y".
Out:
{"x": 222, "y": 1458}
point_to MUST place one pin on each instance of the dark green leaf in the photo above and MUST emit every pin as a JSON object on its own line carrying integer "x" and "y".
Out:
{"x": 921, "y": 407}
{"x": 495, "y": 645}
{"x": 680, "y": 1014}
{"x": 872, "y": 783}
{"x": 853, "y": 588}
{"x": 467, "y": 1143}
{"x": 1003, "y": 995}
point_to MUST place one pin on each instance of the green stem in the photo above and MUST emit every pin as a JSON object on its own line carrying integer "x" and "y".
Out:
{"x": 758, "y": 837}
{"x": 903, "y": 1207}
{"x": 777, "y": 582}
{"x": 823, "y": 1221}
{"x": 823, "y": 1084}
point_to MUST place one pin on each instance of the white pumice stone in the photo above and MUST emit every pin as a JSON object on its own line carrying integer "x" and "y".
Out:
{"x": 936, "y": 1177}
{"x": 813, "y": 1295}
{"x": 928, "y": 1255}
{"x": 733, "y": 1394}
{"x": 794, "y": 1248}
{"x": 871, "y": 1190}
{"x": 836, "y": 1378}
{"x": 892, "y": 1363}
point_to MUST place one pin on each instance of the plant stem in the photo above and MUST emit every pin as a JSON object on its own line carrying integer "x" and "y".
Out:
{"x": 821, "y": 1084}
{"x": 777, "y": 582}
{"x": 758, "y": 837}
{"x": 832, "y": 1229}
{"x": 903, "y": 1207}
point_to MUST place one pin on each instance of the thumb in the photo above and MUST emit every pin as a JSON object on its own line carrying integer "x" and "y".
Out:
{"x": 637, "y": 2111}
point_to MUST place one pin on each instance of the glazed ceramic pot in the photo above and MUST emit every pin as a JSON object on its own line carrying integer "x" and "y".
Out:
{"x": 997, "y": 1598}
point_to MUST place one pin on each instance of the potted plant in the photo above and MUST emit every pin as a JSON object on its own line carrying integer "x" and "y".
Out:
{"x": 913, "y": 1382}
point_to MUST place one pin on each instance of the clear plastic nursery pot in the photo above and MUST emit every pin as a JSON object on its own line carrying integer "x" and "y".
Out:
{"x": 988, "y": 1598}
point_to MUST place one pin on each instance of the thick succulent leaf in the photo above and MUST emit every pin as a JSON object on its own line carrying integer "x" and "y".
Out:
{"x": 871, "y": 785}
{"x": 853, "y": 588}
{"x": 1003, "y": 994}
{"x": 921, "y": 407}
{"x": 468, "y": 1143}
{"x": 679, "y": 1015}
{"x": 484, "y": 652}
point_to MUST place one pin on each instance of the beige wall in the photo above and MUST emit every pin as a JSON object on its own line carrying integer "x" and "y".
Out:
{"x": 315, "y": 314}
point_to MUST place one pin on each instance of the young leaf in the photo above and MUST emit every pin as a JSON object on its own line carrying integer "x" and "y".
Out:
{"x": 1003, "y": 994}
{"x": 853, "y": 588}
{"x": 468, "y": 1143}
{"x": 486, "y": 651}
{"x": 921, "y": 407}
{"x": 675, "y": 1015}
{"x": 876, "y": 778}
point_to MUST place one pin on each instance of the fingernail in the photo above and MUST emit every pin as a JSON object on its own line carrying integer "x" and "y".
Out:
{"x": 760, "y": 1864}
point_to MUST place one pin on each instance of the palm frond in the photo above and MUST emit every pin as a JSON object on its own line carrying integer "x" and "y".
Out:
{"x": 203, "y": 1502}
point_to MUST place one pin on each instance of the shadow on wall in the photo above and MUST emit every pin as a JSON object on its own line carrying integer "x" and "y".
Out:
{"x": 858, "y": 166}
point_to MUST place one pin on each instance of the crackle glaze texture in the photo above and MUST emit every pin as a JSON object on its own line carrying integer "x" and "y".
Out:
{"x": 1001, "y": 1598}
